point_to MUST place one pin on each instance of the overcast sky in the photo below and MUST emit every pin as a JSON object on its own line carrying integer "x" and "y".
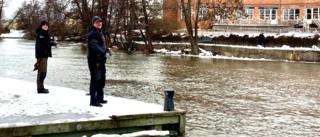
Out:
{"x": 12, "y": 7}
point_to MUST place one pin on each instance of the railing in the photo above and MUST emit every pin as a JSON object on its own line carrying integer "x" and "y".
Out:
{"x": 305, "y": 23}
{"x": 317, "y": 22}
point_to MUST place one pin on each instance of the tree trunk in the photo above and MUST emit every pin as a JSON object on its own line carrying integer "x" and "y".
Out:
{"x": 195, "y": 48}
{"x": 130, "y": 22}
{"x": 149, "y": 45}
{"x": 18, "y": 13}
{"x": 187, "y": 18}
{"x": 1, "y": 9}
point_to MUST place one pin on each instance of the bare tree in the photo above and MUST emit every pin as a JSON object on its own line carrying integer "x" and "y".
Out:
{"x": 31, "y": 13}
{"x": 84, "y": 12}
{"x": 187, "y": 19}
{"x": 30, "y": 17}
{"x": 148, "y": 13}
{"x": 55, "y": 19}
{"x": 131, "y": 15}
{"x": 224, "y": 10}
{"x": 17, "y": 13}
{"x": 2, "y": 2}
{"x": 2, "y": 5}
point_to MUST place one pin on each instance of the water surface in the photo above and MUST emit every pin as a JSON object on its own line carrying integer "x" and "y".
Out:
{"x": 222, "y": 97}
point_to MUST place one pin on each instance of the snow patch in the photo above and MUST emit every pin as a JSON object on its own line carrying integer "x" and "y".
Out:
{"x": 20, "y": 105}
{"x": 137, "y": 134}
{"x": 13, "y": 33}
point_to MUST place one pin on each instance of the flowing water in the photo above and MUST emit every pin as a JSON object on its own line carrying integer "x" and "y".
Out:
{"x": 222, "y": 97}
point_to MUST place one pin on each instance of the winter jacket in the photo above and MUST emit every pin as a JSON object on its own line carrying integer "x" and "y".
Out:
{"x": 261, "y": 38}
{"x": 96, "y": 47}
{"x": 43, "y": 43}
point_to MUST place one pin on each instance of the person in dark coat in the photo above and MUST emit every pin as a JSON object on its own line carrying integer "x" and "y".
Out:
{"x": 96, "y": 55}
{"x": 43, "y": 52}
{"x": 261, "y": 39}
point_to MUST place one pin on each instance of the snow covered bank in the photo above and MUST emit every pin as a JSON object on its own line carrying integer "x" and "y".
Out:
{"x": 284, "y": 47}
{"x": 20, "y": 105}
{"x": 13, "y": 34}
{"x": 212, "y": 34}
{"x": 238, "y": 52}
{"x": 206, "y": 54}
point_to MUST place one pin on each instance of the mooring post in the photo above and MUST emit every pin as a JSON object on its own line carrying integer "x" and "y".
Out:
{"x": 168, "y": 102}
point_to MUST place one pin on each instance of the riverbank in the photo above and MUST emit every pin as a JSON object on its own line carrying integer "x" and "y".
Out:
{"x": 240, "y": 52}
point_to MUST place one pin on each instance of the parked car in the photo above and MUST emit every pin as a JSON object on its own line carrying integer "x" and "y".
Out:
{"x": 206, "y": 40}
{"x": 313, "y": 26}
{"x": 298, "y": 26}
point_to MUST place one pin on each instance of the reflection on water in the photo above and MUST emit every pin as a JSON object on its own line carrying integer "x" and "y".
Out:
{"x": 222, "y": 97}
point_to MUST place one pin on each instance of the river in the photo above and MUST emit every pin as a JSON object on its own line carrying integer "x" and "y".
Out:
{"x": 222, "y": 97}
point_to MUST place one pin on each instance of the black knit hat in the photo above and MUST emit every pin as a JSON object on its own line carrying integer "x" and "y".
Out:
{"x": 95, "y": 18}
{"x": 44, "y": 22}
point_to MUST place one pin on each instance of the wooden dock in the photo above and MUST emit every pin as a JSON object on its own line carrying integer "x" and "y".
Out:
{"x": 173, "y": 121}
{"x": 28, "y": 114}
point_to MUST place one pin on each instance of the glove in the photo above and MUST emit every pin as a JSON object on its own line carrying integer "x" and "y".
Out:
{"x": 56, "y": 45}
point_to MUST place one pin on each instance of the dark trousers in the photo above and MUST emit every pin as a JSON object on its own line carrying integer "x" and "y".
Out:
{"x": 261, "y": 43}
{"x": 42, "y": 73}
{"x": 97, "y": 82}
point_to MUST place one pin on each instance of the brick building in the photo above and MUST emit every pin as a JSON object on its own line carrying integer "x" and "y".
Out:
{"x": 270, "y": 12}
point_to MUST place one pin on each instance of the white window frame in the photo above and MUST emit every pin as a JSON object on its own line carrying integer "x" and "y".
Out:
{"x": 287, "y": 14}
{"x": 226, "y": 12}
{"x": 268, "y": 14}
{"x": 248, "y": 11}
{"x": 312, "y": 14}
{"x": 203, "y": 11}
{"x": 182, "y": 15}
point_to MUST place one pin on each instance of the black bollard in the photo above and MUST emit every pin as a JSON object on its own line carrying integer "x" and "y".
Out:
{"x": 168, "y": 102}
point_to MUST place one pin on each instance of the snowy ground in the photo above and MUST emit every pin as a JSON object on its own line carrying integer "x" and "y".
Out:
{"x": 20, "y": 105}
{"x": 13, "y": 33}
{"x": 208, "y": 54}
{"x": 212, "y": 34}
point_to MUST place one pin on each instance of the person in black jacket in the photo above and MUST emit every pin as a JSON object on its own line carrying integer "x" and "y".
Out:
{"x": 261, "y": 40}
{"x": 43, "y": 51}
{"x": 96, "y": 55}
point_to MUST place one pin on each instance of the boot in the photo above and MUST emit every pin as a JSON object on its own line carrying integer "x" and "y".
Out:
{"x": 43, "y": 91}
{"x": 103, "y": 102}
{"x": 96, "y": 105}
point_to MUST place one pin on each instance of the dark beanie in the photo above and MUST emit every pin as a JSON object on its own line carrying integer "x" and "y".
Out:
{"x": 95, "y": 18}
{"x": 44, "y": 22}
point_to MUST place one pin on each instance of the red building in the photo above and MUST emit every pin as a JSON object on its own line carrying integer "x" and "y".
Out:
{"x": 270, "y": 12}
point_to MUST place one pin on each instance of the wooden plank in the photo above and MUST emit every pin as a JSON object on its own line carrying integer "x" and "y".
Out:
{"x": 148, "y": 115}
{"x": 148, "y": 121}
{"x": 94, "y": 132}
{"x": 56, "y": 128}
{"x": 88, "y": 126}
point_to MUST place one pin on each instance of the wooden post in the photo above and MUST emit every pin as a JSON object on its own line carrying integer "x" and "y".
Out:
{"x": 182, "y": 125}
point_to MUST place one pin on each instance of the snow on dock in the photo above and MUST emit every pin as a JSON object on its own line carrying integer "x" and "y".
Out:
{"x": 21, "y": 106}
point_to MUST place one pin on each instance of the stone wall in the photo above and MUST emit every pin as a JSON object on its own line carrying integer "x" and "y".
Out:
{"x": 254, "y": 53}
{"x": 274, "y": 54}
